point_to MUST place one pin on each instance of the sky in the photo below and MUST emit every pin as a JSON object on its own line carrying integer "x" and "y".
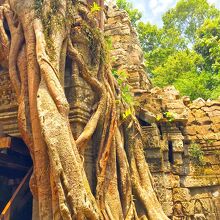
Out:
{"x": 153, "y": 9}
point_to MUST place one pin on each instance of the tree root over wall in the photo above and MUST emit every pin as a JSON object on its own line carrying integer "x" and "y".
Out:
{"x": 35, "y": 52}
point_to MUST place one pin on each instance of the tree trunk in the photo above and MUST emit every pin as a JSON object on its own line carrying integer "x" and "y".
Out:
{"x": 43, "y": 35}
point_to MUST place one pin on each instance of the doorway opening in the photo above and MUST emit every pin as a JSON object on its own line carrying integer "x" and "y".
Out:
{"x": 170, "y": 152}
{"x": 15, "y": 173}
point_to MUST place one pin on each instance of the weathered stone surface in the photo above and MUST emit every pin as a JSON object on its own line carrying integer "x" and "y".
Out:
{"x": 188, "y": 208}
{"x": 126, "y": 52}
{"x": 178, "y": 159}
{"x": 197, "y": 122}
{"x": 7, "y": 94}
{"x": 181, "y": 194}
{"x": 151, "y": 137}
{"x": 168, "y": 208}
{"x": 8, "y": 106}
{"x": 178, "y": 146}
{"x": 172, "y": 181}
{"x": 200, "y": 181}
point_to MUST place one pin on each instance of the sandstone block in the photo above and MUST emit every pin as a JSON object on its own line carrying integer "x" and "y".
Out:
{"x": 200, "y": 181}
{"x": 181, "y": 194}
{"x": 168, "y": 208}
{"x": 177, "y": 146}
{"x": 172, "y": 181}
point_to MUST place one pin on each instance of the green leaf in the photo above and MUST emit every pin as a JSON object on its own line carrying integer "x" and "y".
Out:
{"x": 95, "y": 8}
{"x": 127, "y": 113}
{"x": 158, "y": 118}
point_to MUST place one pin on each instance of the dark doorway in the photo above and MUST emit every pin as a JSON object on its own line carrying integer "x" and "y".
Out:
{"x": 144, "y": 123}
{"x": 160, "y": 130}
{"x": 15, "y": 172}
{"x": 170, "y": 152}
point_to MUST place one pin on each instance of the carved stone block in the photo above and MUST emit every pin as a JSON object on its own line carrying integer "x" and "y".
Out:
{"x": 172, "y": 181}
{"x": 168, "y": 208}
{"x": 181, "y": 194}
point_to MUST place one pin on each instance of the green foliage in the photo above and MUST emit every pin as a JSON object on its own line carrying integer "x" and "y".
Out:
{"x": 208, "y": 44}
{"x": 196, "y": 154}
{"x": 38, "y": 4}
{"x": 176, "y": 65}
{"x": 126, "y": 94}
{"x": 217, "y": 152}
{"x": 95, "y": 7}
{"x": 108, "y": 43}
{"x": 158, "y": 43}
{"x": 188, "y": 15}
{"x": 184, "y": 70}
{"x": 128, "y": 112}
{"x": 127, "y": 97}
{"x": 185, "y": 51}
{"x": 51, "y": 22}
{"x": 194, "y": 85}
{"x": 93, "y": 35}
{"x": 210, "y": 142}
{"x": 134, "y": 14}
{"x": 159, "y": 118}
{"x": 108, "y": 47}
{"x": 169, "y": 116}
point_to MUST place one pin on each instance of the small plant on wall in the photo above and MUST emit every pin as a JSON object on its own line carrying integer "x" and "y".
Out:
{"x": 167, "y": 116}
{"x": 95, "y": 8}
{"x": 127, "y": 96}
{"x": 196, "y": 154}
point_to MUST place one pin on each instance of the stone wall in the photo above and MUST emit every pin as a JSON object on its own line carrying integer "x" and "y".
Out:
{"x": 126, "y": 52}
{"x": 187, "y": 188}
{"x": 171, "y": 125}
{"x": 8, "y": 106}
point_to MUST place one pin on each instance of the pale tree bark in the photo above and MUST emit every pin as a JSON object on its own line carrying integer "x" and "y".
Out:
{"x": 43, "y": 34}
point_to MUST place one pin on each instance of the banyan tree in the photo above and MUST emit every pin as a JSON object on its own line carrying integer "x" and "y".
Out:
{"x": 41, "y": 42}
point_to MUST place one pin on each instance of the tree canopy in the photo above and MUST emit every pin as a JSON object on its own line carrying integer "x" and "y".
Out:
{"x": 188, "y": 15}
{"x": 135, "y": 14}
{"x": 185, "y": 51}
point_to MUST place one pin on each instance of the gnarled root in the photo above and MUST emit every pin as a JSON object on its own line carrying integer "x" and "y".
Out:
{"x": 60, "y": 184}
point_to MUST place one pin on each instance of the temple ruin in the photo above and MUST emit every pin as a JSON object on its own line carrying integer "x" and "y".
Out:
{"x": 171, "y": 127}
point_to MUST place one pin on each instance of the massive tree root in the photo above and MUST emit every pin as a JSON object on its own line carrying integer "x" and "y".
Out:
{"x": 42, "y": 34}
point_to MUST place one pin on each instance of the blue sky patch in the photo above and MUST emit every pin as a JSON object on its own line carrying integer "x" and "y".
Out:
{"x": 154, "y": 9}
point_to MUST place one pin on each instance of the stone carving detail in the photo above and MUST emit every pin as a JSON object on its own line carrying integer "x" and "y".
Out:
{"x": 178, "y": 212}
{"x": 199, "y": 210}
{"x": 8, "y": 106}
{"x": 160, "y": 187}
{"x": 7, "y": 95}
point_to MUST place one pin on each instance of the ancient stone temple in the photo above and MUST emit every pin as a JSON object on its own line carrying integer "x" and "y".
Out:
{"x": 182, "y": 137}
{"x": 186, "y": 187}
{"x": 172, "y": 127}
